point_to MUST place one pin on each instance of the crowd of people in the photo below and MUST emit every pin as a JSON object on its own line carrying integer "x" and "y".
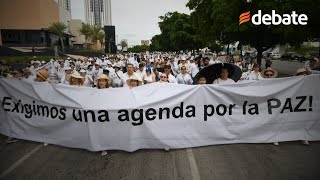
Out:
{"x": 129, "y": 70}
{"x": 132, "y": 70}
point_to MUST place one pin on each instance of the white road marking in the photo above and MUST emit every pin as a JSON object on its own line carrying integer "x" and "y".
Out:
{"x": 193, "y": 165}
{"x": 20, "y": 161}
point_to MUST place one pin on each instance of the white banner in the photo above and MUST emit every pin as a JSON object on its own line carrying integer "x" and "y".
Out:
{"x": 162, "y": 115}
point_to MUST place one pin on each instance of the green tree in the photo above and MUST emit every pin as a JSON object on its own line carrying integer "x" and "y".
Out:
{"x": 139, "y": 48}
{"x": 101, "y": 38}
{"x": 123, "y": 44}
{"x": 95, "y": 35}
{"x": 86, "y": 31}
{"x": 59, "y": 28}
{"x": 177, "y": 33}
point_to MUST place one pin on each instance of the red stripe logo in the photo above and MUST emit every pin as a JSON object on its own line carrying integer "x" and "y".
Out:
{"x": 244, "y": 17}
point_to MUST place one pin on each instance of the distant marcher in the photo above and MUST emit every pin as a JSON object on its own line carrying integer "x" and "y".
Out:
{"x": 255, "y": 73}
{"x": 88, "y": 81}
{"x": 184, "y": 77}
{"x": 302, "y": 71}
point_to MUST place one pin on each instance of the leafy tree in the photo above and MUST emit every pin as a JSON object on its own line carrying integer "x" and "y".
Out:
{"x": 139, "y": 48}
{"x": 95, "y": 35}
{"x": 123, "y": 44}
{"x": 86, "y": 31}
{"x": 177, "y": 33}
{"x": 59, "y": 28}
{"x": 101, "y": 38}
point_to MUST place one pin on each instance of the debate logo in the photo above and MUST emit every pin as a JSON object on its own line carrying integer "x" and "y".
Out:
{"x": 244, "y": 17}
{"x": 274, "y": 18}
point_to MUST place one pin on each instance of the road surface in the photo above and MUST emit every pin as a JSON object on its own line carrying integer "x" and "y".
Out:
{"x": 284, "y": 67}
{"x": 290, "y": 160}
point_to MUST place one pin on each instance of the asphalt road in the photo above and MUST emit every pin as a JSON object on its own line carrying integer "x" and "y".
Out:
{"x": 285, "y": 67}
{"x": 289, "y": 160}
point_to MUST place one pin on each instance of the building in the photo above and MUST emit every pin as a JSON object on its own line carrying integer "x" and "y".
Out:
{"x": 145, "y": 42}
{"x": 26, "y": 23}
{"x": 98, "y": 12}
{"x": 78, "y": 40}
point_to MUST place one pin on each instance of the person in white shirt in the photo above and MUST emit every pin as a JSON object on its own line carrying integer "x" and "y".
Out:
{"x": 223, "y": 79}
{"x": 184, "y": 77}
{"x": 194, "y": 68}
{"x": 141, "y": 72}
{"x": 167, "y": 70}
{"x": 97, "y": 73}
{"x": 130, "y": 72}
{"x": 116, "y": 76}
{"x": 65, "y": 79}
{"x": 88, "y": 81}
{"x": 183, "y": 62}
{"x": 255, "y": 74}
{"x": 148, "y": 77}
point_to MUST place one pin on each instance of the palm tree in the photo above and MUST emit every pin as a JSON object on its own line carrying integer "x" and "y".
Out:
{"x": 86, "y": 31}
{"x": 94, "y": 34}
{"x": 59, "y": 28}
{"x": 123, "y": 44}
{"x": 101, "y": 37}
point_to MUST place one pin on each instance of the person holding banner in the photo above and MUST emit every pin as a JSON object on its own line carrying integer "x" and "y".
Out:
{"x": 223, "y": 79}
{"x": 255, "y": 74}
{"x": 202, "y": 80}
{"x": 133, "y": 81}
{"x": 163, "y": 78}
{"x": 103, "y": 82}
{"x": 76, "y": 79}
{"x": 42, "y": 76}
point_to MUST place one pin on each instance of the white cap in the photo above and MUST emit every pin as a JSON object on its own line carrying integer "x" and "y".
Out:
{"x": 43, "y": 62}
{"x": 183, "y": 58}
{"x": 67, "y": 68}
{"x": 97, "y": 63}
{"x": 68, "y": 58}
{"x": 83, "y": 71}
{"x": 36, "y": 62}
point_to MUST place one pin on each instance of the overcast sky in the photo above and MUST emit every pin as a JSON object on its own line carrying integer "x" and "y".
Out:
{"x": 135, "y": 20}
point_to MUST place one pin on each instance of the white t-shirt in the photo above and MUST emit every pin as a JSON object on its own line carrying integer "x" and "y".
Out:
{"x": 141, "y": 73}
{"x": 194, "y": 69}
{"x": 186, "y": 79}
{"x": 220, "y": 81}
{"x": 255, "y": 76}
{"x": 172, "y": 79}
{"x": 116, "y": 76}
{"x": 87, "y": 81}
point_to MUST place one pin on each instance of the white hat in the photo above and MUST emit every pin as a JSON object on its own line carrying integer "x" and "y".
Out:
{"x": 97, "y": 63}
{"x": 77, "y": 75}
{"x": 68, "y": 58}
{"x": 43, "y": 62}
{"x": 109, "y": 63}
{"x": 116, "y": 65}
{"x": 83, "y": 71}
{"x": 36, "y": 62}
{"x": 35, "y": 57}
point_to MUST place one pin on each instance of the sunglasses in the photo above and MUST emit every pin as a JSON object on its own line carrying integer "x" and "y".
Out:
{"x": 163, "y": 76}
{"x": 268, "y": 75}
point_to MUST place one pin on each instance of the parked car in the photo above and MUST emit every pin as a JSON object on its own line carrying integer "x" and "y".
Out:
{"x": 289, "y": 56}
{"x": 275, "y": 56}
